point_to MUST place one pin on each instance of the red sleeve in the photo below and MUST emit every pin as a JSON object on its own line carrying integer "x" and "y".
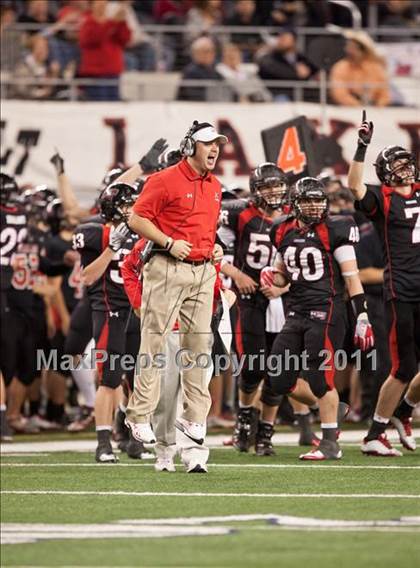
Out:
{"x": 122, "y": 34}
{"x": 130, "y": 272}
{"x": 92, "y": 33}
{"x": 152, "y": 199}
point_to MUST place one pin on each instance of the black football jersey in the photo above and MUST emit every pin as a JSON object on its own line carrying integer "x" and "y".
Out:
{"x": 107, "y": 293}
{"x": 27, "y": 272}
{"x": 71, "y": 284}
{"x": 12, "y": 232}
{"x": 253, "y": 249}
{"x": 308, "y": 255}
{"x": 397, "y": 220}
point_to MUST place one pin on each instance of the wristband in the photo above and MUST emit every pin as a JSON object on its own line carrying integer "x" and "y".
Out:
{"x": 360, "y": 153}
{"x": 359, "y": 305}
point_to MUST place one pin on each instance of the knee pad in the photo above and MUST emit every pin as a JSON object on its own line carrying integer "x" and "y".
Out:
{"x": 280, "y": 385}
{"x": 250, "y": 381}
{"x": 318, "y": 386}
{"x": 269, "y": 397}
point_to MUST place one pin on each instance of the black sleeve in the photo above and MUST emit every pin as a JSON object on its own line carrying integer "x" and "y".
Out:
{"x": 371, "y": 204}
{"x": 87, "y": 240}
{"x": 343, "y": 231}
{"x": 49, "y": 268}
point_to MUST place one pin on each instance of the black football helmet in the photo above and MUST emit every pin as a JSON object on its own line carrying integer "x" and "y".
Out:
{"x": 9, "y": 190}
{"x": 112, "y": 175}
{"x": 268, "y": 185}
{"x": 396, "y": 166}
{"x": 309, "y": 201}
{"x": 54, "y": 216}
{"x": 114, "y": 198}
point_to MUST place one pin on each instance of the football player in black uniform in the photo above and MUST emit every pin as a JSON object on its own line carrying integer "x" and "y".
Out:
{"x": 316, "y": 256}
{"x": 12, "y": 232}
{"x": 115, "y": 328}
{"x": 394, "y": 208}
{"x": 250, "y": 222}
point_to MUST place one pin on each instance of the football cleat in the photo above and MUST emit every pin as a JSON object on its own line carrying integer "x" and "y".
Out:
{"x": 193, "y": 430}
{"x": 245, "y": 428}
{"x": 6, "y": 433}
{"x": 136, "y": 450}
{"x": 105, "y": 454}
{"x": 263, "y": 445}
{"x": 379, "y": 447}
{"x": 85, "y": 422}
{"x": 309, "y": 439}
{"x": 197, "y": 468}
{"x": 41, "y": 424}
{"x": 164, "y": 464}
{"x": 403, "y": 426}
{"x": 327, "y": 450}
{"x": 141, "y": 432}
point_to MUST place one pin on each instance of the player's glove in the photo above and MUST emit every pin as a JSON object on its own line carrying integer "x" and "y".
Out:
{"x": 365, "y": 131}
{"x": 58, "y": 162}
{"x": 150, "y": 161}
{"x": 267, "y": 276}
{"x": 118, "y": 236}
{"x": 363, "y": 333}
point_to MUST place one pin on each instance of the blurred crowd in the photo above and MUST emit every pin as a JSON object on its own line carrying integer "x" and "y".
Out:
{"x": 101, "y": 39}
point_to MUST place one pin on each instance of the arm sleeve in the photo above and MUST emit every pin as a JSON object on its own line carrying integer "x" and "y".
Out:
{"x": 344, "y": 234}
{"x": 370, "y": 205}
{"x": 130, "y": 272}
{"x": 152, "y": 199}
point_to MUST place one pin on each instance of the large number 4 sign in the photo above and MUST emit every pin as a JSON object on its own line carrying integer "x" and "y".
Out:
{"x": 291, "y": 157}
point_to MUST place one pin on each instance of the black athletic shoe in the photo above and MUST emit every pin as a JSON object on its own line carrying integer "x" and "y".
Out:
{"x": 134, "y": 448}
{"x": 105, "y": 454}
{"x": 121, "y": 432}
{"x": 263, "y": 445}
{"x": 245, "y": 428}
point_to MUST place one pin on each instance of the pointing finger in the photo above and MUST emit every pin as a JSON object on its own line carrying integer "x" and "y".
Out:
{"x": 364, "y": 116}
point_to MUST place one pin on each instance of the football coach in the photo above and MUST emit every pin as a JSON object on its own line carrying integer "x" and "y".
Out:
{"x": 178, "y": 211}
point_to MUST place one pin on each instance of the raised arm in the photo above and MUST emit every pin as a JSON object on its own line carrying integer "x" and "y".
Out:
{"x": 65, "y": 190}
{"x": 147, "y": 164}
{"x": 355, "y": 177}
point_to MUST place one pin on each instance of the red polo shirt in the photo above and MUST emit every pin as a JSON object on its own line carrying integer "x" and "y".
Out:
{"x": 183, "y": 205}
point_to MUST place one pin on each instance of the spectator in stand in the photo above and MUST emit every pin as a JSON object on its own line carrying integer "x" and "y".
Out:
{"x": 288, "y": 13}
{"x": 64, "y": 34}
{"x": 171, "y": 11}
{"x": 246, "y": 15}
{"x": 363, "y": 70}
{"x": 102, "y": 43}
{"x": 246, "y": 86}
{"x": 36, "y": 66}
{"x": 398, "y": 13}
{"x": 284, "y": 62}
{"x": 37, "y": 14}
{"x": 10, "y": 39}
{"x": 202, "y": 67}
{"x": 141, "y": 54}
{"x": 202, "y": 17}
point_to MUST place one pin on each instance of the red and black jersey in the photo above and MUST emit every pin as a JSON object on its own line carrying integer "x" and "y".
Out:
{"x": 107, "y": 293}
{"x": 28, "y": 272}
{"x": 253, "y": 249}
{"x": 71, "y": 285}
{"x": 12, "y": 232}
{"x": 309, "y": 258}
{"x": 397, "y": 220}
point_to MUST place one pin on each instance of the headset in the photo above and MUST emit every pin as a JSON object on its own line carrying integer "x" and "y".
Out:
{"x": 187, "y": 145}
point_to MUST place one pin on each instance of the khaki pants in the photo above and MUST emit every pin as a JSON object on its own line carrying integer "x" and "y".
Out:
{"x": 174, "y": 290}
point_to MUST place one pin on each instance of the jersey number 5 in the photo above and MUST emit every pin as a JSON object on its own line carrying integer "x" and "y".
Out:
{"x": 259, "y": 251}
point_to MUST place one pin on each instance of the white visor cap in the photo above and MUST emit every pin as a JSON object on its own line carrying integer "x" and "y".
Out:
{"x": 208, "y": 134}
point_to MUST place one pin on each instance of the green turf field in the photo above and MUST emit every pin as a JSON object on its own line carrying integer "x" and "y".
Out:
{"x": 68, "y": 488}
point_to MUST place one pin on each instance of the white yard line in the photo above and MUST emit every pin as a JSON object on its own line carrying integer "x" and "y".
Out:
{"x": 212, "y": 441}
{"x": 222, "y": 465}
{"x": 197, "y": 494}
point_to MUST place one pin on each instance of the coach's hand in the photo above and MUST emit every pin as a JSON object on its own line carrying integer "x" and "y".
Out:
{"x": 150, "y": 161}
{"x": 365, "y": 131}
{"x": 217, "y": 255}
{"x": 244, "y": 283}
{"x": 363, "y": 333}
{"x": 118, "y": 236}
{"x": 180, "y": 249}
